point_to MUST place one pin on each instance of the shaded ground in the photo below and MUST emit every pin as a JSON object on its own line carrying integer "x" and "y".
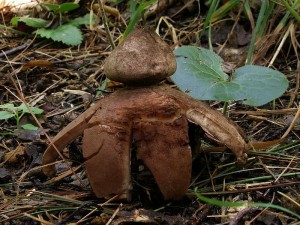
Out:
{"x": 64, "y": 82}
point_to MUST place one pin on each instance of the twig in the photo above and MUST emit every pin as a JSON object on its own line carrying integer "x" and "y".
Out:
{"x": 114, "y": 215}
{"x": 106, "y": 24}
{"x": 42, "y": 221}
{"x": 75, "y": 212}
{"x": 16, "y": 49}
{"x": 237, "y": 219}
{"x": 263, "y": 112}
{"x": 293, "y": 123}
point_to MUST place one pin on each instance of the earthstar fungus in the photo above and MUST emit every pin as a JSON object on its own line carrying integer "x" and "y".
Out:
{"x": 142, "y": 59}
{"x": 154, "y": 116}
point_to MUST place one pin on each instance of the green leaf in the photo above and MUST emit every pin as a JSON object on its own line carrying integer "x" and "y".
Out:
{"x": 65, "y": 7}
{"x": 6, "y": 115}
{"x": 68, "y": 6}
{"x": 83, "y": 20}
{"x": 29, "y": 126}
{"x": 51, "y": 7}
{"x": 35, "y": 110}
{"x": 8, "y": 106}
{"x": 29, "y": 21}
{"x": 259, "y": 85}
{"x": 67, "y": 34}
{"x": 199, "y": 72}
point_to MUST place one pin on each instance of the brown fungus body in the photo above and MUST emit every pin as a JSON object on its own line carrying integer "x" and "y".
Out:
{"x": 155, "y": 117}
{"x": 143, "y": 58}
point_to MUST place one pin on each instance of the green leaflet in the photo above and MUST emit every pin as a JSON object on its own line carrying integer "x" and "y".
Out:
{"x": 199, "y": 72}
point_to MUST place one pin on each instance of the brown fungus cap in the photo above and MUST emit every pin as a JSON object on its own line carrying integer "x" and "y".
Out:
{"x": 143, "y": 58}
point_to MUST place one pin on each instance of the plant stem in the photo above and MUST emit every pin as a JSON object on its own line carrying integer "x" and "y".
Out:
{"x": 292, "y": 9}
{"x": 135, "y": 17}
{"x": 209, "y": 38}
{"x": 262, "y": 27}
{"x": 209, "y": 15}
{"x": 222, "y": 11}
{"x": 256, "y": 30}
{"x": 225, "y": 108}
{"x": 132, "y": 7}
{"x": 106, "y": 24}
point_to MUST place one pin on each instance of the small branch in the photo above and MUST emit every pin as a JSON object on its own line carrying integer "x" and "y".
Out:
{"x": 16, "y": 49}
{"x": 106, "y": 24}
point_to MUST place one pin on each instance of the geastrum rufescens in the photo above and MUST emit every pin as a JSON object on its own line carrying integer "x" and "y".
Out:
{"x": 153, "y": 116}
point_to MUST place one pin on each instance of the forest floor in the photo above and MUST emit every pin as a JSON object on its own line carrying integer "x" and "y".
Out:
{"x": 64, "y": 81}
